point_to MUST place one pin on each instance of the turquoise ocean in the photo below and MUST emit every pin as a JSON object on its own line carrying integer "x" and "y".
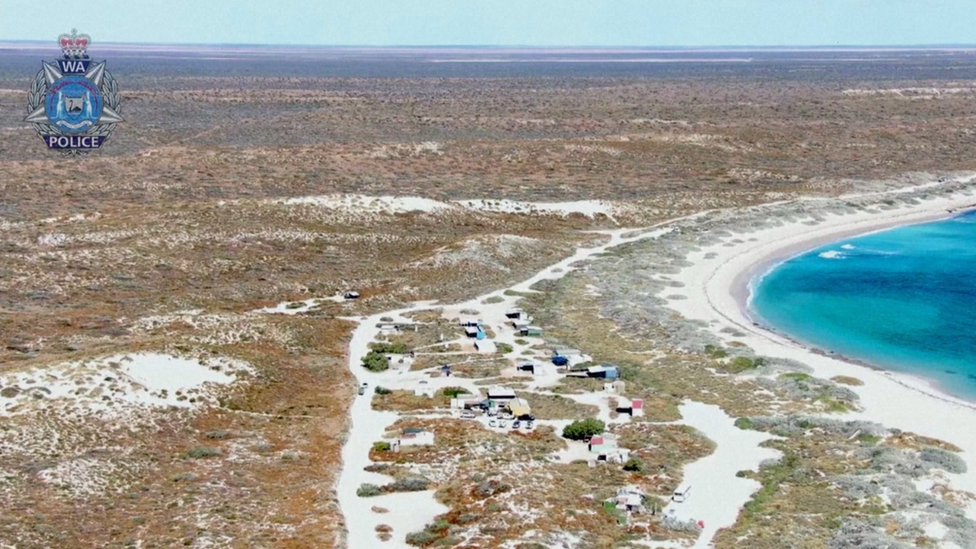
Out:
{"x": 903, "y": 300}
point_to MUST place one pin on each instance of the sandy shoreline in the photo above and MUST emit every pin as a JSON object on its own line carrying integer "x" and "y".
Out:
{"x": 717, "y": 291}
{"x": 743, "y": 283}
{"x": 743, "y": 289}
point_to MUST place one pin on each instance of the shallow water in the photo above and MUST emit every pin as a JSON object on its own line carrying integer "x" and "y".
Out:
{"x": 902, "y": 299}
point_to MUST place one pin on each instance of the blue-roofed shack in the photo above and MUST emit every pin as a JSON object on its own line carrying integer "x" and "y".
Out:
{"x": 560, "y": 360}
{"x": 604, "y": 371}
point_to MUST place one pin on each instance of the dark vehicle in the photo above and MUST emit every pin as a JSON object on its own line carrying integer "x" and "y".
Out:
{"x": 516, "y": 425}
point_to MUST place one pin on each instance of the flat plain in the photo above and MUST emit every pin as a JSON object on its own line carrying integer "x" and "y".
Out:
{"x": 242, "y": 179}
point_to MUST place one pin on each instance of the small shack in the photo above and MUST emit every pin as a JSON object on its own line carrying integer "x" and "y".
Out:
{"x": 614, "y": 455}
{"x": 630, "y": 498}
{"x": 501, "y": 395}
{"x": 560, "y": 361}
{"x": 531, "y": 331}
{"x": 472, "y": 331}
{"x": 605, "y": 371}
{"x": 470, "y": 321}
{"x": 601, "y": 444}
{"x": 520, "y": 325}
{"x": 515, "y": 313}
{"x": 637, "y": 407}
{"x": 567, "y": 353}
{"x": 519, "y": 407}
{"x": 414, "y": 437}
{"x": 465, "y": 402}
{"x": 616, "y": 387}
{"x": 485, "y": 346}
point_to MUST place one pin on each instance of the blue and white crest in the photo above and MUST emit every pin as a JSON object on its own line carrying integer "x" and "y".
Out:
{"x": 74, "y": 103}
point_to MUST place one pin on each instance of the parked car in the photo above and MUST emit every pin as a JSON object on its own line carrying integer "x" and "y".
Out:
{"x": 529, "y": 425}
{"x": 492, "y": 423}
{"x": 517, "y": 424}
{"x": 502, "y": 423}
{"x": 362, "y": 390}
{"x": 467, "y": 414}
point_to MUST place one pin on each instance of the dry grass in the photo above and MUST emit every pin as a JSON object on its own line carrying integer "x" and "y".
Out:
{"x": 558, "y": 407}
{"x": 847, "y": 380}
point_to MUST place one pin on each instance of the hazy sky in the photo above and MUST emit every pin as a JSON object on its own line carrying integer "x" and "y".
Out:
{"x": 500, "y": 22}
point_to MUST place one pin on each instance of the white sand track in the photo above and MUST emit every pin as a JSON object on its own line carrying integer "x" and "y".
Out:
{"x": 716, "y": 493}
{"x": 410, "y": 512}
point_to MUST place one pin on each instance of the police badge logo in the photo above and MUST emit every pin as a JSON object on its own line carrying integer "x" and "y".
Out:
{"x": 74, "y": 103}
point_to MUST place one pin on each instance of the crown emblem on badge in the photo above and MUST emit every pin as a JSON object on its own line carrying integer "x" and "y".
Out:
{"x": 74, "y": 102}
{"x": 74, "y": 45}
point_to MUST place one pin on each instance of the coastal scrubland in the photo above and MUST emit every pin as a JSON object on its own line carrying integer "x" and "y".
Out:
{"x": 224, "y": 195}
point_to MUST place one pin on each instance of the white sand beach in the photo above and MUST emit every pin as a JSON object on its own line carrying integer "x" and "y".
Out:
{"x": 716, "y": 292}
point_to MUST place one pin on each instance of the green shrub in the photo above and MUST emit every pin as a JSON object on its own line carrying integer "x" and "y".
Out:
{"x": 412, "y": 484}
{"x": 744, "y": 423}
{"x": 376, "y": 362}
{"x": 422, "y": 539}
{"x": 432, "y": 534}
{"x": 504, "y": 348}
{"x": 368, "y": 490}
{"x": 583, "y": 429}
{"x": 381, "y": 446}
{"x": 635, "y": 465}
{"x": 741, "y": 364}
{"x": 203, "y": 452}
{"x": 382, "y": 391}
{"x": 399, "y": 348}
{"x": 715, "y": 351}
{"x": 453, "y": 392}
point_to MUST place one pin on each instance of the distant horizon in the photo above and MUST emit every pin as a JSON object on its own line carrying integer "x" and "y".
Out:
{"x": 497, "y": 23}
{"x": 920, "y": 46}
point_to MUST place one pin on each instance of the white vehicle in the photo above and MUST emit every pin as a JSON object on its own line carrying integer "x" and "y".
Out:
{"x": 467, "y": 415}
{"x": 682, "y": 493}
{"x": 492, "y": 423}
{"x": 503, "y": 423}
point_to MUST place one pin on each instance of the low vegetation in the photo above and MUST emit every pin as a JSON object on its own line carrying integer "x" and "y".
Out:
{"x": 375, "y": 361}
{"x": 584, "y": 429}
